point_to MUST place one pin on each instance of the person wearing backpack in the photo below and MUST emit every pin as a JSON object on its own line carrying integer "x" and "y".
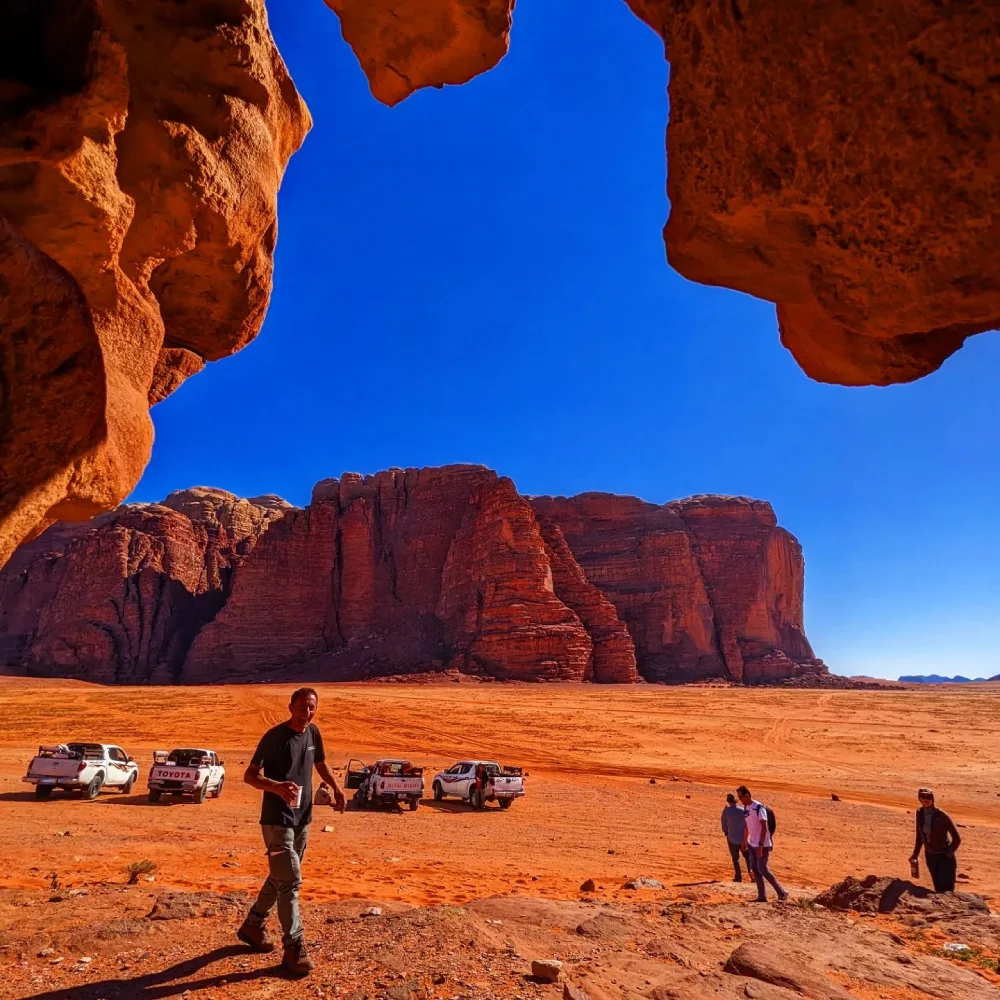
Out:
{"x": 758, "y": 841}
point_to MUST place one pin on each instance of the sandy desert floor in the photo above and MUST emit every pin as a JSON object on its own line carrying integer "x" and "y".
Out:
{"x": 592, "y": 811}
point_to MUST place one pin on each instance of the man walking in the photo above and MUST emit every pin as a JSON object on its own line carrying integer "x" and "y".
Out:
{"x": 937, "y": 835}
{"x": 757, "y": 840}
{"x": 281, "y": 767}
{"x": 733, "y": 826}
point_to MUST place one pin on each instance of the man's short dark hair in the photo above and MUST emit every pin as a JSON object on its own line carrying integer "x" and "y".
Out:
{"x": 730, "y": 798}
{"x": 302, "y": 693}
{"x": 743, "y": 790}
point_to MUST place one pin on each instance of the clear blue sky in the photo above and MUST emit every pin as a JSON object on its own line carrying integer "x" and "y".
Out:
{"x": 477, "y": 275}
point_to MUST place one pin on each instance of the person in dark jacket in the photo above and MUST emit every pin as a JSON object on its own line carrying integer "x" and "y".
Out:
{"x": 733, "y": 823}
{"x": 937, "y": 835}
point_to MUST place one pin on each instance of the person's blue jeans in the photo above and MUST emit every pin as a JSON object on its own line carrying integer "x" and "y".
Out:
{"x": 761, "y": 872}
{"x": 285, "y": 848}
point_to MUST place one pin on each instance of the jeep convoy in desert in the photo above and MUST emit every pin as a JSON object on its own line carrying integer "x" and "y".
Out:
{"x": 198, "y": 774}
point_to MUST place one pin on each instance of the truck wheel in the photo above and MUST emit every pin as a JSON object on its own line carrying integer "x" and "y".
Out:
{"x": 127, "y": 787}
{"x": 218, "y": 790}
{"x": 43, "y": 791}
{"x": 94, "y": 788}
{"x": 505, "y": 803}
{"x": 476, "y": 798}
{"x": 413, "y": 804}
{"x": 154, "y": 795}
{"x": 438, "y": 791}
{"x": 200, "y": 793}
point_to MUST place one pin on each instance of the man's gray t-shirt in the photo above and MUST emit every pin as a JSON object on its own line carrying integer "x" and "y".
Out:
{"x": 733, "y": 823}
{"x": 288, "y": 755}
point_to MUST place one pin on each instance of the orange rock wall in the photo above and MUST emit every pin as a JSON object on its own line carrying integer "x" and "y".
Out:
{"x": 119, "y": 599}
{"x": 708, "y": 587}
{"x": 411, "y": 571}
{"x": 141, "y": 149}
{"x": 838, "y": 159}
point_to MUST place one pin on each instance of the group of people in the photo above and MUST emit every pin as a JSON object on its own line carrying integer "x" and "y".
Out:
{"x": 749, "y": 827}
{"x": 282, "y": 766}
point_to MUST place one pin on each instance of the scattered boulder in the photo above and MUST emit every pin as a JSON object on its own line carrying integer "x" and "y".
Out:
{"x": 573, "y": 993}
{"x": 372, "y": 911}
{"x": 835, "y": 797}
{"x": 785, "y": 969}
{"x": 883, "y": 894}
{"x": 642, "y": 883}
{"x": 588, "y": 886}
{"x": 546, "y": 969}
{"x": 652, "y": 781}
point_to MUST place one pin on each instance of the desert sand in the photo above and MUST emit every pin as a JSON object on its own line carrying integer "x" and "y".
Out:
{"x": 592, "y": 811}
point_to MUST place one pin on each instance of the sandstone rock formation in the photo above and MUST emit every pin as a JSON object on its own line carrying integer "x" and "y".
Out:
{"x": 411, "y": 571}
{"x": 838, "y": 159}
{"x": 141, "y": 148}
{"x": 708, "y": 587}
{"x": 119, "y": 599}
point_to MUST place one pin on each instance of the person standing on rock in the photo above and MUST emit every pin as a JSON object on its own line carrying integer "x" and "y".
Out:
{"x": 733, "y": 826}
{"x": 757, "y": 841}
{"x": 281, "y": 767}
{"x": 937, "y": 835}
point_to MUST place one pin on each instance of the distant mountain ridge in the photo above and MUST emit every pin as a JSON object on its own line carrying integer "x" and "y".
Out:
{"x": 938, "y": 679}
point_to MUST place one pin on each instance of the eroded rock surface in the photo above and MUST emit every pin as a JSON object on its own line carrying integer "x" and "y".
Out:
{"x": 412, "y": 571}
{"x": 141, "y": 149}
{"x": 119, "y": 599}
{"x": 708, "y": 587}
{"x": 840, "y": 160}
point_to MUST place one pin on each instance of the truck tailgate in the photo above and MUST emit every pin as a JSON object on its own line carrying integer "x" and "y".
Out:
{"x": 406, "y": 786}
{"x": 505, "y": 785}
{"x": 53, "y": 767}
{"x": 165, "y": 773}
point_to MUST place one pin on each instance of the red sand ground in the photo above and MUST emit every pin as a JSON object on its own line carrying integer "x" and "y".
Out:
{"x": 590, "y": 811}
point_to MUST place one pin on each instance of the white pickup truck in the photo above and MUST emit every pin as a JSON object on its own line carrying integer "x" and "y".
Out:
{"x": 386, "y": 782}
{"x": 186, "y": 771}
{"x": 82, "y": 767}
{"x": 496, "y": 783}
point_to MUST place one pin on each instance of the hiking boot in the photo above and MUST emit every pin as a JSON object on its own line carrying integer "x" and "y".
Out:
{"x": 255, "y": 937}
{"x": 295, "y": 960}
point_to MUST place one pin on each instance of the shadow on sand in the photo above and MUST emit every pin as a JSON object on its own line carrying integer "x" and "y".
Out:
{"x": 165, "y": 984}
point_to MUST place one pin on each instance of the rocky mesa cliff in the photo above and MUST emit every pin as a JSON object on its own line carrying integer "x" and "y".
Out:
{"x": 411, "y": 571}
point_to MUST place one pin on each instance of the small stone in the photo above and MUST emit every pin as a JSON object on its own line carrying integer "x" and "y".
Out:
{"x": 372, "y": 911}
{"x": 55, "y": 961}
{"x": 642, "y": 883}
{"x": 835, "y": 797}
{"x": 45, "y": 952}
{"x": 652, "y": 781}
{"x": 546, "y": 969}
{"x": 328, "y": 829}
{"x": 611, "y": 850}
{"x": 588, "y": 886}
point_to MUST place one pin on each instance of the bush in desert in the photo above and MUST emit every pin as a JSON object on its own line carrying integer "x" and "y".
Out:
{"x": 138, "y": 868}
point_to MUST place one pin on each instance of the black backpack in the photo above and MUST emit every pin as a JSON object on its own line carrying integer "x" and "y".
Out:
{"x": 772, "y": 820}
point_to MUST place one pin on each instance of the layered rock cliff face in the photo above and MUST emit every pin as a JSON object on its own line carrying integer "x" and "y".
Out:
{"x": 838, "y": 159}
{"x": 141, "y": 148}
{"x": 119, "y": 599}
{"x": 708, "y": 587}
{"x": 411, "y": 571}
